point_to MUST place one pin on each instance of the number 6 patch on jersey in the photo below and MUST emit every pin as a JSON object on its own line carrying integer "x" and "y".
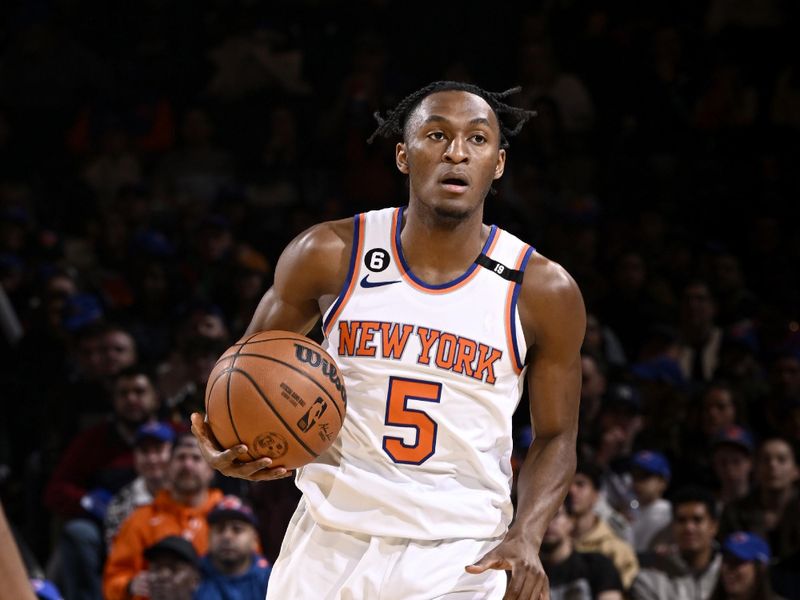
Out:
{"x": 398, "y": 414}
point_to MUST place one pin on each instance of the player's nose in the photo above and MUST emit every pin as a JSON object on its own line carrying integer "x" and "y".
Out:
{"x": 456, "y": 151}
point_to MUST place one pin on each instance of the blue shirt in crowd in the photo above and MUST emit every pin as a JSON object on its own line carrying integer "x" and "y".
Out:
{"x": 252, "y": 585}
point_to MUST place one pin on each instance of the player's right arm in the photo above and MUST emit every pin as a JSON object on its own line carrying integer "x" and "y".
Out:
{"x": 309, "y": 275}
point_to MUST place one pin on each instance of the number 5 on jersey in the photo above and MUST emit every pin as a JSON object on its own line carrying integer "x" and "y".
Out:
{"x": 401, "y": 390}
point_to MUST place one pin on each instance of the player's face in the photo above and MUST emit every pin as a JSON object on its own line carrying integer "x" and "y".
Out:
{"x": 451, "y": 153}
{"x": 232, "y": 542}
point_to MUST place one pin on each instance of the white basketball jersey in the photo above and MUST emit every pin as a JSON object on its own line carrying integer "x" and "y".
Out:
{"x": 433, "y": 375}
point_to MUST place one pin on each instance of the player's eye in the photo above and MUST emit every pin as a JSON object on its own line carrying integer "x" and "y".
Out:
{"x": 436, "y": 135}
{"x": 479, "y": 138}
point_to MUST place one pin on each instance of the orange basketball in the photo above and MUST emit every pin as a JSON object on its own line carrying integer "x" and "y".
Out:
{"x": 280, "y": 394}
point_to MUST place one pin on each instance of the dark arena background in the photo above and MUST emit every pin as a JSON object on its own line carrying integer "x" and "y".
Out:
{"x": 156, "y": 157}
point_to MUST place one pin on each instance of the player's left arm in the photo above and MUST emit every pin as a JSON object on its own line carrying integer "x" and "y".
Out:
{"x": 553, "y": 318}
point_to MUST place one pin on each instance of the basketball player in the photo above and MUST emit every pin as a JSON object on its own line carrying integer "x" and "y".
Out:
{"x": 433, "y": 318}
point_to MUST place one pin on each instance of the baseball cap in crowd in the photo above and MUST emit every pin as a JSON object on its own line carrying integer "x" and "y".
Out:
{"x": 231, "y": 508}
{"x": 624, "y": 397}
{"x": 175, "y": 545}
{"x": 651, "y": 462}
{"x": 45, "y": 590}
{"x": 155, "y": 431}
{"x": 746, "y": 546}
{"x": 662, "y": 369}
{"x": 735, "y": 436}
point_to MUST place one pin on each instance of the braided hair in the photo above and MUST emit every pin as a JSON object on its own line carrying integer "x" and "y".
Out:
{"x": 510, "y": 118}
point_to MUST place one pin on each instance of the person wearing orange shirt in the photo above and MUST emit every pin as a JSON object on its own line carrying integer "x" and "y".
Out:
{"x": 180, "y": 509}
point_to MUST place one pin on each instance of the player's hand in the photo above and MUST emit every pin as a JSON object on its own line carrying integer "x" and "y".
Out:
{"x": 528, "y": 580}
{"x": 226, "y": 461}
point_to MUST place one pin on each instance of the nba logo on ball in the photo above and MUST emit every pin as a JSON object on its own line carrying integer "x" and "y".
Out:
{"x": 280, "y": 394}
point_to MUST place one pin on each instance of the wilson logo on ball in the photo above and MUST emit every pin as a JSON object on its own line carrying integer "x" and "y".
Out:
{"x": 314, "y": 359}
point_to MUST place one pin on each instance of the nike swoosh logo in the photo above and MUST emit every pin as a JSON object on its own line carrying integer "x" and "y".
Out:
{"x": 370, "y": 284}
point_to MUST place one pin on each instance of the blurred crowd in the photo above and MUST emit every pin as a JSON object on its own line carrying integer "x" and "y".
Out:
{"x": 156, "y": 157}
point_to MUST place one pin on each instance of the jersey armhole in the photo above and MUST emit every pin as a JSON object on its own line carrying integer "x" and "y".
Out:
{"x": 515, "y": 338}
{"x": 352, "y": 276}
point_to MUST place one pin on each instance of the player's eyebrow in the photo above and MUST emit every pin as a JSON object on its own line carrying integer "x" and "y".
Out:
{"x": 441, "y": 119}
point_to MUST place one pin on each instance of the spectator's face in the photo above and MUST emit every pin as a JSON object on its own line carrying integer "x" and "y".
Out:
{"x": 232, "y": 542}
{"x": 594, "y": 383}
{"x": 647, "y": 486}
{"x": 189, "y": 472}
{"x": 57, "y": 291}
{"x": 92, "y": 357}
{"x": 694, "y": 527}
{"x": 732, "y": 465}
{"x": 738, "y": 577}
{"x": 698, "y": 306}
{"x": 776, "y": 468}
{"x": 120, "y": 351}
{"x": 171, "y": 578}
{"x": 593, "y": 339}
{"x": 559, "y": 529}
{"x": 719, "y": 410}
{"x": 135, "y": 399}
{"x": 786, "y": 377}
{"x": 582, "y": 494}
{"x": 151, "y": 459}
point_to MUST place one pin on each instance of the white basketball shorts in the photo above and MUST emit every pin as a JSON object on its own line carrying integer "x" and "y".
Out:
{"x": 319, "y": 563}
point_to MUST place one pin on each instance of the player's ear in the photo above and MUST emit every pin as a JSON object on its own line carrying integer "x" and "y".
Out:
{"x": 501, "y": 164}
{"x": 401, "y": 158}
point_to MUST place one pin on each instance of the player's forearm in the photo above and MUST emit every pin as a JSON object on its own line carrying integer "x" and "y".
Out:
{"x": 544, "y": 480}
{"x": 12, "y": 570}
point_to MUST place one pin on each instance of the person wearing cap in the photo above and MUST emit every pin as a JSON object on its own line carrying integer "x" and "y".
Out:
{"x": 651, "y": 473}
{"x": 95, "y": 466}
{"x": 233, "y": 568}
{"x": 732, "y": 462}
{"x": 744, "y": 573}
{"x": 172, "y": 570}
{"x": 772, "y": 509}
{"x": 151, "y": 452}
{"x": 689, "y": 570}
{"x": 179, "y": 509}
{"x": 593, "y": 534}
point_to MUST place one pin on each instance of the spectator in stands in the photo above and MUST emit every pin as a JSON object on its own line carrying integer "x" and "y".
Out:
{"x": 233, "y": 568}
{"x": 690, "y": 570}
{"x": 651, "y": 474}
{"x": 772, "y": 509}
{"x": 574, "y": 574}
{"x": 151, "y": 452}
{"x": 95, "y": 466}
{"x": 732, "y": 461}
{"x": 172, "y": 570}
{"x": 180, "y": 509}
{"x": 744, "y": 573}
{"x": 590, "y": 532}
{"x": 701, "y": 338}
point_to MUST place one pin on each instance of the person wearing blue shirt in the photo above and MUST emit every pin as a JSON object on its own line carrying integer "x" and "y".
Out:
{"x": 233, "y": 569}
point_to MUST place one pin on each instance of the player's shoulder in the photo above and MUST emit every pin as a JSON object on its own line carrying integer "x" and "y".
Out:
{"x": 550, "y": 300}
{"x": 547, "y": 279}
{"x": 326, "y": 236}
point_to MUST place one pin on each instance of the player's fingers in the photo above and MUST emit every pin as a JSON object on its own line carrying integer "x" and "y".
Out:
{"x": 514, "y": 587}
{"x": 545, "y": 593}
{"x": 486, "y": 563}
{"x": 270, "y": 474}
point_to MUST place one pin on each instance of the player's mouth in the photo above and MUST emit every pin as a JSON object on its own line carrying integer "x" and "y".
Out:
{"x": 455, "y": 184}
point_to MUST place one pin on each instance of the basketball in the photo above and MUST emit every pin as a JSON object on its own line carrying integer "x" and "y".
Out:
{"x": 280, "y": 394}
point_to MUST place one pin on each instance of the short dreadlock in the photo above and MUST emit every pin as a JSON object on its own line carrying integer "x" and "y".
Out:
{"x": 510, "y": 118}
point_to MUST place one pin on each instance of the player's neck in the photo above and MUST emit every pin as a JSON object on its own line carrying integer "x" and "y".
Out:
{"x": 440, "y": 247}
